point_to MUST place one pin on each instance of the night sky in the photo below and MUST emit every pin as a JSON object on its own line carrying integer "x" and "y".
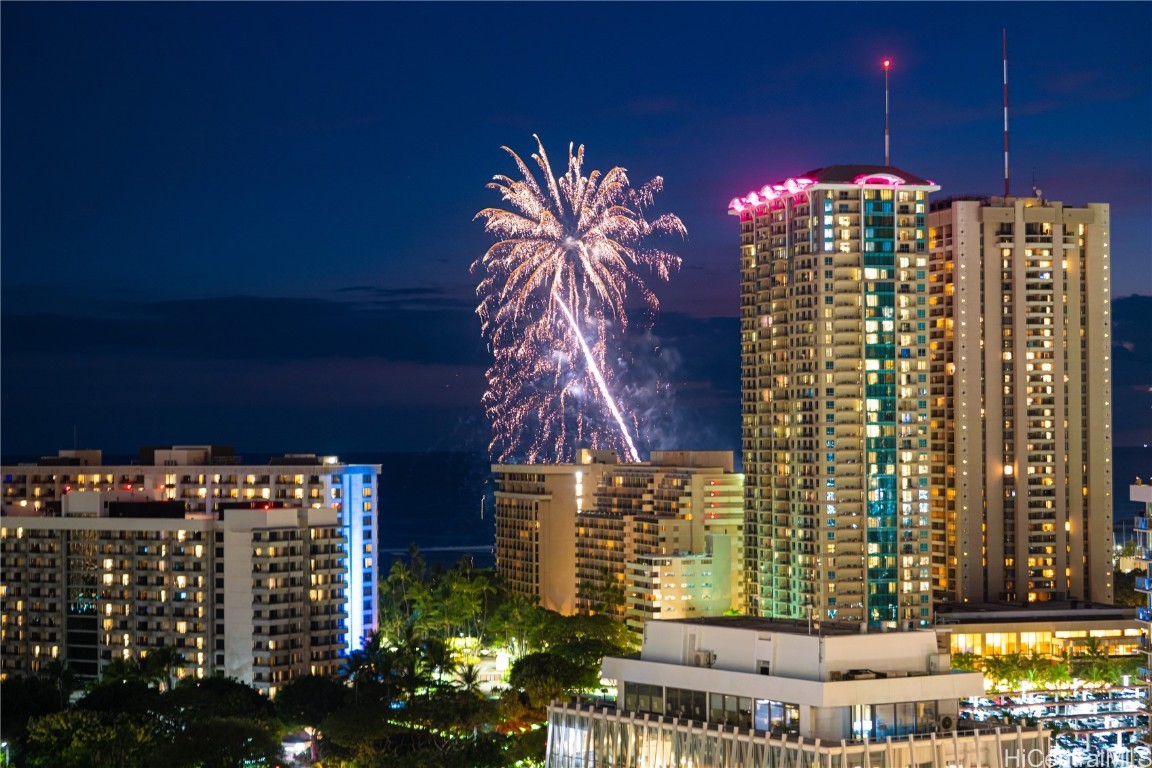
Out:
{"x": 253, "y": 224}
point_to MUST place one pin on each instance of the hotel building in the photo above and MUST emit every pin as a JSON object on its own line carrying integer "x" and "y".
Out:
{"x": 258, "y": 593}
{"x": 206, "y": 478}
{"x": 1020, "y": 438}
{"x": 835, "y": 389}
{"x": 660, "y": 539}
{"x": 748, "y": 691}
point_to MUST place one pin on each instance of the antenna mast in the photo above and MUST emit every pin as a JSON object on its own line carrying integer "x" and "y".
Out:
{"x": 1005, "y": 40}
{"x": 887, "y": 64}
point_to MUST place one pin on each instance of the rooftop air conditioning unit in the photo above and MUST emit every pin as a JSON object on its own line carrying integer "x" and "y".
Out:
{"x": 939, "y": 663}
{"x": 704, "y": 659}
{"x": 946, "y": 723}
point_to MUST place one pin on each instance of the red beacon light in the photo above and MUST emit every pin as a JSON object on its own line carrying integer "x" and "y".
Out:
{"x": 887, "y": 63}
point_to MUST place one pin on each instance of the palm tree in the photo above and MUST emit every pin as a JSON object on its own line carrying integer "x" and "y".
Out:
{"x": 1060, "y": 672}
{"x": 969, "y": 662}
{"x": 368, "y": 667}
{"x": 1094, "y": 664}
{"x": 121, "y": 670}
{"x": 159, "y": 664}
{"x": 468, "y": 678}
{"x": 518, "y": 624}
{"x": 439, "y": 658}
{"x": 61, "y": 678}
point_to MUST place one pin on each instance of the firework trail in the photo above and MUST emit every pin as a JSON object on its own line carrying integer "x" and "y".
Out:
{"x": 590, "y": 359}
{"x": 552, "y": 304}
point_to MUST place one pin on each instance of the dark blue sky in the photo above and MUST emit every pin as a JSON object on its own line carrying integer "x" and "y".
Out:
{"x": 253, "y": 223}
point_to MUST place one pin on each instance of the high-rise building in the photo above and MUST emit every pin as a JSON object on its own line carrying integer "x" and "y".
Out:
{"x": 834, "y": 379}
{"x": 660, "y": 539}
{"x": 207, "y": 478}
{"x": 1020, "y": 433}
{"x": 258, "y": 594}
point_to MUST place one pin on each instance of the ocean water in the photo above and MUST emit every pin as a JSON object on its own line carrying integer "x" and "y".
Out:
{"x": 442, "y": 501}
{"x": 439, "y": 501}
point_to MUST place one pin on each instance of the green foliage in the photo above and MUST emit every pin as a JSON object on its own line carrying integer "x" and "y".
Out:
{"x": 967, "y": 662}
{"x": 24, "y": 698}
{"x": 605, "y": 595}
{"x": 444, "y": 604}
{"x": 86, "y": 739}
{"x": 519, "y": 624}
{"x": 1124, "y": 589}
{"x": 221, "y": 742}
{"x": 120, "y": 696}
{"x": 307, "y": 700}
{"x": 1087, "y": 664}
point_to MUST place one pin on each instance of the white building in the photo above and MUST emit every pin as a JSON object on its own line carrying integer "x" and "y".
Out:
{"x": 747, "y": 691}
{"x": 657, "y": 539}
{"x": 207, "y": 478}
{"x": 259, "y": 594}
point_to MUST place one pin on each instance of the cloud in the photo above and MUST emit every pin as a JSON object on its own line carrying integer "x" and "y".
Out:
{"x": 440, "y": 330}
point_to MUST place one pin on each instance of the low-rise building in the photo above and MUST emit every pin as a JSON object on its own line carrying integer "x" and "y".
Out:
{"x": 743, "y": 691}
{"x": 1070, "y": 667}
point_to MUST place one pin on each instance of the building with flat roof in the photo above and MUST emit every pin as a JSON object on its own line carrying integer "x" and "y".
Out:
{"x": 834, "y": 381}
{"x": 1020, "y": 445}
{"x": 258, "y": 592}
{"x": 1068, "y": 666}
{"x": 659, "y": 539}
{"x": 749, "y": 691}
{"x": 209, "y": 478}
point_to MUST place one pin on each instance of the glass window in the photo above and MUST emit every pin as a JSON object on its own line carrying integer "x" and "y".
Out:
{"x": 885, "y": 719}
{"x": 716, "y": 708}
{"x": 861, "y": 721}
{"x": 744, "y": 712}
{"x": 629, "y": 697}
{"x": 925, "y": 715}
{"x": 905, "y": 718}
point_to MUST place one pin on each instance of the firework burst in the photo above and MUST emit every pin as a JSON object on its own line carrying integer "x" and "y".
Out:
{"x": 552, "y": 304}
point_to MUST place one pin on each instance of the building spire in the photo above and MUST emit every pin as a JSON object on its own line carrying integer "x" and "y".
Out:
{"x": 1005, "y": 41}
{"x": 887, "y": 65}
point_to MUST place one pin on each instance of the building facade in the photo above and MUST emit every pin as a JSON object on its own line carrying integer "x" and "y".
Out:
{"x": 834, "y": 380}
{"x": 660, "y": 539}
{"x": 1053, "y": 647}
{"x": 1021, "y": 418}
{"x": 749, "y": 691}
{"x": 1142, "y": 494}
{"x": 207, "y": 478}
{"x": 259, "y": 593}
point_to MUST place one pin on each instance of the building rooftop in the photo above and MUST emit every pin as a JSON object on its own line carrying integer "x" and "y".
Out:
{"x": 851, "y": 174}
{"x": 1066, "y": 610}
{"x": 787, "y": 626}
{"x": 860, "y": 175}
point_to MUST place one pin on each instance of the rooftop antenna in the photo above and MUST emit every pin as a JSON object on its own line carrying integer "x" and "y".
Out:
{"x": 1004, "y": 32}
{"x": 1036, "y": 192}
{"x": 887, "y": 64}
